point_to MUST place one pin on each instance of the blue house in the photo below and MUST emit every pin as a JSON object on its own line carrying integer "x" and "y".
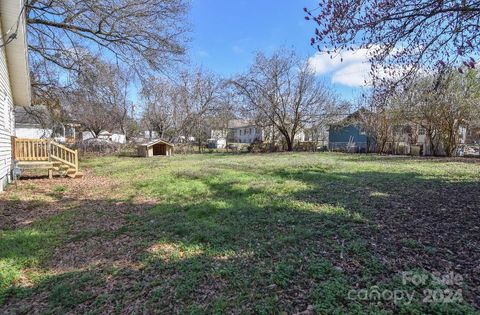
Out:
{"x": 351, "y": 135}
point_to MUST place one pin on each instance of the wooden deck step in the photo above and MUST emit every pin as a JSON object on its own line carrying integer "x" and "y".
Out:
{"x": 45, "y": 154}
{"x": 72, "y": 173}
{"x": 32, "y": 164}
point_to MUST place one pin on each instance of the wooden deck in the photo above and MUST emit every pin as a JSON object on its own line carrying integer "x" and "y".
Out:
{"x": 45, "y": 154}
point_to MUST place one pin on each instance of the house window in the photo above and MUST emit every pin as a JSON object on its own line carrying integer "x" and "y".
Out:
{"x": 422, "y": 131}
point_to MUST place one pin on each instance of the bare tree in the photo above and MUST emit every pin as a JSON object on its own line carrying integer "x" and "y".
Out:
{"x": 404, "y": 36}
{"x": 330, "y": 114}
{"x": 450, "y": 102}
{"x": 146, "y": 35}
{"x": 283, "y": 92}
{"x": 441, "y": 104}
{"x": 159, "y": 107}
{"x": 180, "y": 108}
{"x": 199, "y": 95}
{"x": 97, "y": 98}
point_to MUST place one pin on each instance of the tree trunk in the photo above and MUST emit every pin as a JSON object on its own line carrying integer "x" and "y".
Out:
{"x": 272, "y": 146}
{"x": 289, "y": 144}
{"x": 451, "y": 145}
{"x": 431, "y": 143}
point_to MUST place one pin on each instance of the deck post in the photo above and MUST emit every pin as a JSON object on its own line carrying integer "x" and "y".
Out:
{"x": 76, "y": 160}
{"x": 14, "y": 148}
{"x": 50, "y": 173}
{"x": 48, "y": 149}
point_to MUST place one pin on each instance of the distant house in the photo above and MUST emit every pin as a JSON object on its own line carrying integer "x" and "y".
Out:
{"x": 150, "y": 134}
{"x": 183, "y": 139}
{"x": 413, "y": 139}
{"x": 36, "y": 122}
{"x": 14, "y": 78}
{"x": 244, "y": 131}
{"x": 318, "y": 135}
{"x": 33, "y": 123}
{"x": 115, "y": 136}
{"x": 349, "y": 138}
{"x": 118, "y": 137}
{"x": 472, "y": 135}
{"x": 350, "y": 135}
{"x": 155, "y": 148}
{"x": 218, "y": 133}
{"x": 217, "y": 138}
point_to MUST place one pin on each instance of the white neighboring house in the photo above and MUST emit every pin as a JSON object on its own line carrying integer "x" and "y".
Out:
{"x": 425, "y": 143}
{"x": 32, "y": 132}
{"x": 36, "y": 122}
{"x": 32, "y": 122}
{"x": 150, "y": 134}
{"x": 118, "y": 138}
{"x": 183, "y": 139}
{"x": 217, "y": 138}
{"x": 14, "y": 78}
{"x": 115, "y": 137}
{"x": 244, "y": 131}
{"x": 31, "y": 126}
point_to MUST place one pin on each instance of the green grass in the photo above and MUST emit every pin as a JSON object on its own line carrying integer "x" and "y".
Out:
{"x": 245, "y": 233}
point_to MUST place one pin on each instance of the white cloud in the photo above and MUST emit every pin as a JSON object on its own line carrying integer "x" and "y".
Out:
{"x": 354, "y": 74}
{"x": 350, "y": 68}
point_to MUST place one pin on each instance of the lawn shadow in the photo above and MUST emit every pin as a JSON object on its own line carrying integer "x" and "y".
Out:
{"x": 244, "y": 247}
{"x": 407, "y": 158}
{"x": 414, "y": 222}
{"x": 108, "y": 254}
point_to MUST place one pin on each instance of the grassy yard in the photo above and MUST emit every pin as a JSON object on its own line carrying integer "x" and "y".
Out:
{"x": 275, "y": 233}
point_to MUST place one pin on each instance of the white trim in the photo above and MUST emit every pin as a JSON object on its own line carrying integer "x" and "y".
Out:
{"x": 16, "y": 51}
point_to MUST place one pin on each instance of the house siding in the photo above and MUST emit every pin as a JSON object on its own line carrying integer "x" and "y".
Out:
{"x": 6, "y": 121}
{"x": 248, "y": 134}
{"x": 339, "y": 137}
{"x": 33, "y": 133}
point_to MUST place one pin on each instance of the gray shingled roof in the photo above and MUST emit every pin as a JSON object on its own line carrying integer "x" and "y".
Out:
{"x": 240, "y": 123}
{"x": 32, "y": 115}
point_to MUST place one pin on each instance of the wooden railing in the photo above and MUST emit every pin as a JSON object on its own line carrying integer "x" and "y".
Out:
{"x": 43, "y": 150}
{"x": 30, "y": 149}
{"x": 63, "y": 154}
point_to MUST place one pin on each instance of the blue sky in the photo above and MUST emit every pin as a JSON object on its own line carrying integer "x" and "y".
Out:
{"x": 225, "y": 35}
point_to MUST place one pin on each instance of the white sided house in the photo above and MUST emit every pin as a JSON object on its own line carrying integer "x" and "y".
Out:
{"x": 14, "y": 78}
{"x": 217, "y": 138}
{"x": 244, "y": 131}
{"x": 32, "y": 123}
{"x": 116, "y": 137}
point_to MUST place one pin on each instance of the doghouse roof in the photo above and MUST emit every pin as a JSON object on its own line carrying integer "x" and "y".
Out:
{"x": 149, "y": 144}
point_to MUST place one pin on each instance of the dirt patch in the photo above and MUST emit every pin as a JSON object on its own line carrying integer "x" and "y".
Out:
{"x": 30, "y": 200}
{"x": 92, "y": 221}
{"x": 437, "y": 231}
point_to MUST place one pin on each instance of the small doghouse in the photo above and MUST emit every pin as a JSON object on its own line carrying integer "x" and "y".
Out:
{"x": 154, "y": 148}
